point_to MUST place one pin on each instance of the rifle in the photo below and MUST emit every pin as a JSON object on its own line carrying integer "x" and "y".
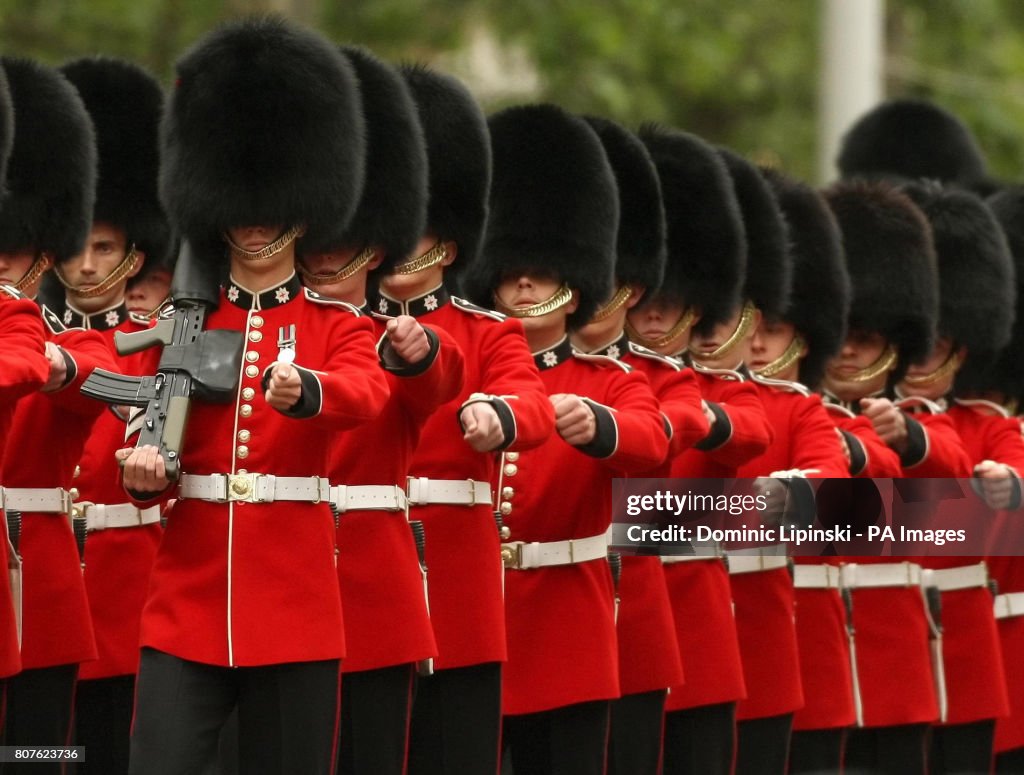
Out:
{"x": 195, "y": 364}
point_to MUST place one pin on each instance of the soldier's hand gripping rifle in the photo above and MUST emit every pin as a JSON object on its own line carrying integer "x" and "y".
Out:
{"x": 195, "y": 363}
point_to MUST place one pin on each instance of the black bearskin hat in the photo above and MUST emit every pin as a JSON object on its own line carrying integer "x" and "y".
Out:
{"x": 6, "y": 128}
{"x": 392, "y": 212}
{"x": 976, "y": 278}
{"x": 554, "y": 206}
{"x": 51, "y": 173}
{"x": 125, "y": 104}
{"x": 908, "y": 138}
{"x": 264, "y": 127}
{"x": 769, "y": 265}
{"x": 890, "y": 257}
{"x": 1007, "y": 374}
{"x": 640, "y": 246}
{"x": 459, "y": 161}
{"x": 706, "y": 242}
{"x": 820, "y": 300}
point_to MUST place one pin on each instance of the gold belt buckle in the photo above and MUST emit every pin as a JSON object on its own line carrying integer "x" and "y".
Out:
{"x": 512, "y": 556}
{"x": 242, "y": 487}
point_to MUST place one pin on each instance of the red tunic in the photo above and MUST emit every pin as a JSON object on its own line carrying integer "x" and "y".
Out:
{"x": 462, "y": 545}
{"x": 244, "y": 584}
{"x": 943, "y": 454}
{"x": 45, "y": 444}
{"x": 23, "y": 370}
{"x": 117, "y": 560}
{"x": 560, "y": 620}
{"x": 648, "y": 651}
{"x": 386, "y": 618}
{"x": 766, "y": 603}
{"x": 699, "y": 589}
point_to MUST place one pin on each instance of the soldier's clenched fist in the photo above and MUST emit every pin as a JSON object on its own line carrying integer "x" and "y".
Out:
{"x": 284, "y": 389}
{"x": 408, "y": 339}
{"x": 574, "y": 419}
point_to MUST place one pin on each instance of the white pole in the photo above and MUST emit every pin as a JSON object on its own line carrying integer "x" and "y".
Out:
{"x": 852, "y": 58}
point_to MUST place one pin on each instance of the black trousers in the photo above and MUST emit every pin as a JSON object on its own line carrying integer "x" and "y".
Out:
{"x": 962, "y": 748}
{"x": 817, "y": 751}
{"x": 375, "y": 708}
{"x": 701, "y": 740}
{"x": 565, "y": 741}
{"x": 39, "y": 711}
{"x": 1010, "y": 762}
{"x": 637, "y": 726}
{"x": 287, "y": 716}
{"x": 896, "y": 750}
{"x": 103, "y": 721}
{"x": 762, "y": 745}
{"x": 456, "y": 722}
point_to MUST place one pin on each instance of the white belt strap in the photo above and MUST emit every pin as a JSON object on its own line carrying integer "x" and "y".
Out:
{"x": 100, "y": 516}
{"x": 521, "y": 555}
{"x": 964, "y": 577}
{"x": 367, "y": 497}
{"x": 1010, "y": 606}
{"x": 899, "y": 574}
{"x": 39, "y": 500}
{"x": 254, "y": 488}
{"x": 816, "y": 576}
{"x": 747, "y": 563}
{"x": 450, "y": 492}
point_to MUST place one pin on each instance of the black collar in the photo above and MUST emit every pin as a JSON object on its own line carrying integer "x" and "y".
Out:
{"x": 272, "y": 297}
{"x": 616, "y": 349}
{"x": 419, "y": 305}
{"x": 103, "y": 320}
{"x": 554, "y": 355}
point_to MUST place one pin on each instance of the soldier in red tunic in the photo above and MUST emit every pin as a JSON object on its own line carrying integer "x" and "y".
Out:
{"x": 649, "y": 660}
{"x": 378, "y": 569}
{"x": 502, "y": 407}
{"x": 703, "y": 276}
{"x": 44, "y": 220}
{"x": 262, "y": 141}
{"x": 890, "y": 257}
{"x": 548, "y": 260}
{"x": 128, "y": 229}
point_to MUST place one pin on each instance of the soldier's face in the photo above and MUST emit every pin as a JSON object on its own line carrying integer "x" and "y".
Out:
{"x": 145, "y": 295}
{"x": 254, "y": 238}
{"x": 521, "y": 289}
{"x": 104, "y": 251}
{"x": 703, "y": 346}
{"x": 860, "y": 350}
{"x": 932, "y": 388}
{"x": 325, "y": 265}
{"x": 408, "y": 286}
{"x": 770, "y": 341}
{"x": 13, "y": 267}
{"x": 655, "y": 317}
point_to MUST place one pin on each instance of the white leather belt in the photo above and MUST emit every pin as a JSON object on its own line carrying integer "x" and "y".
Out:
{"x": 672, "y": 559}
{"x": 39, "y": 500}
{"x": 100, "y": 516}
{"x": 520, "y": 555}
{"x": 1010, "y": 605}
{"x": 899, "y": 574}
{"x": 254, "y": 488}
{"x": 450, "y": 492}
{"x": 367, "y": 497}
{"x": 816, "y": 576}
{"x": 950, "y": 579}
{"x": 746, "y": 563}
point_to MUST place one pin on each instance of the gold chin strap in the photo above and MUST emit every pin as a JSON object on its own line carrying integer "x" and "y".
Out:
{"x": 361, "y": 259}
{"x": 37, "y": 270}
{"x": 270, "y": 250}
{"x": 155, "y": 312}
{"x": 680, "y": 328}
{"x": 621, "y": 297}
{"x": 560, "y": 298}
{"x": 784, "y": 361}
{"x": 743, "y": 328}
{"x": 948, "y": 367}
{"x": 432, "y": 257}
{"x": 121, "y": 271}
{"x": 886, "y": 362}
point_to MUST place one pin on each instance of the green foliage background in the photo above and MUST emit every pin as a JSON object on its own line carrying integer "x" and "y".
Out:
{"x": 740, "y": 73}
